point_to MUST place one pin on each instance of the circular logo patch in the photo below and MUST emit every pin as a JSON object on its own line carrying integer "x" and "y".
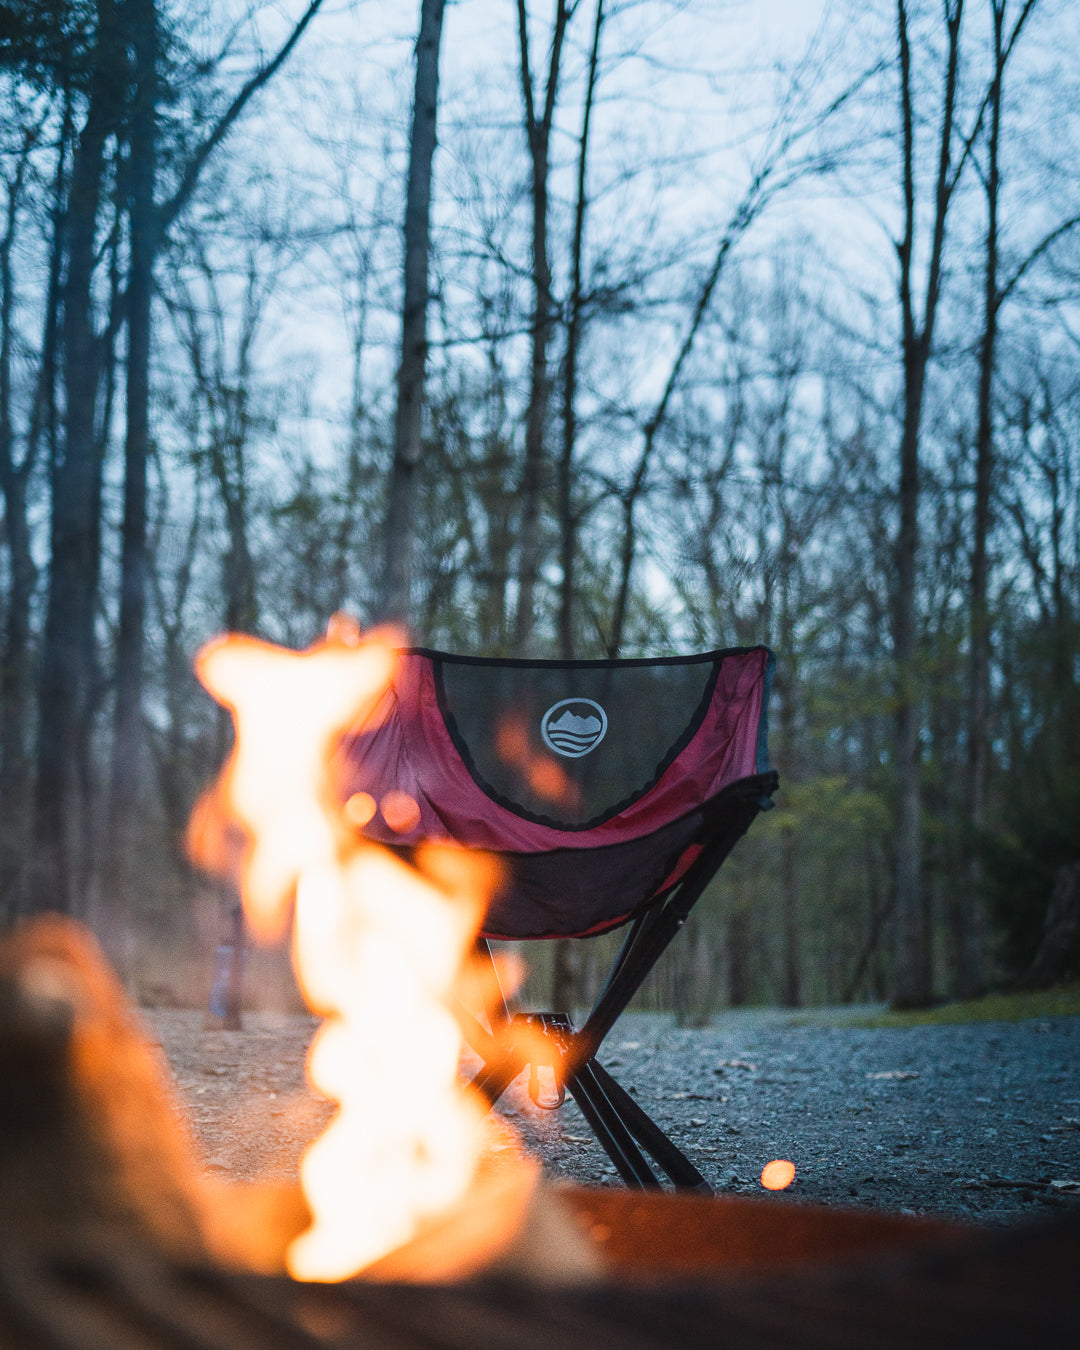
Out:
{"x": 573, "y": 727}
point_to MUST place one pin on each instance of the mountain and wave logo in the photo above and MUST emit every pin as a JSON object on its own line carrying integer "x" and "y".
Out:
{"x": 573, "y": 726}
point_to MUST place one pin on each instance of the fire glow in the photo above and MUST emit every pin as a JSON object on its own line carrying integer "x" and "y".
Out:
{"x": 547, "y": 779}
{"x": 378, "y": 946}
{"x": 778, "y": 1175}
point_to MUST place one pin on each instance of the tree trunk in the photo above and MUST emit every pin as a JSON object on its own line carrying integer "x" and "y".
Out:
{"x": 68, "y": 644}
{"x": 16, "y": 658}
{"x": 400, "y": 516}
{"x": 564, "y": 976}
{"x": 910, "y": 932}
{"x": 787, "y": 725}
{"x": 538, "y": 134}
{"x": 565, "y": 477}
{"x": 565, "y": 969}
{"x": 972, "y": 924}
{"x": 692, "y": 968}
{"x": 125, "y": 783}
{"x": 911, "y": 987}
{"x": 972, "y": 950}
{"x": 1058, "y": 958}
{"x": 746, "y": 212}
{"x": 879, "y": 915}
{"x": 738, "y": 958}
{"x": 792, "y": 992}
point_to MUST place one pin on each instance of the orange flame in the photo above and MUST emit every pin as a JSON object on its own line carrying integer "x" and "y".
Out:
{"x": 289, "y": 709}
{"x": 378, "y": 946}
{"x": 778, "y": 1175}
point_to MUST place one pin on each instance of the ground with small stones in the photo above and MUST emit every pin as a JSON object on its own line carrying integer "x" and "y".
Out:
{"x": 978, "y": 1122}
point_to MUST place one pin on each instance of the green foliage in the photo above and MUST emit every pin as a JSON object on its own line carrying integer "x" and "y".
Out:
{"x": 1061, "y": 1002}
{"x": 832, "y": 810}
{"x": 1042, "y": 817}
{"x": 1038, "y": 815}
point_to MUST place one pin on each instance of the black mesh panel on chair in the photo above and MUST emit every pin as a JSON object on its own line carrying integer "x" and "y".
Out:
{"x": 573, "y": 743}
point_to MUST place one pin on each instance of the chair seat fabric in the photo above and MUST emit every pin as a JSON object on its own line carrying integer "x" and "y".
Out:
{"x": 590, "y": 780}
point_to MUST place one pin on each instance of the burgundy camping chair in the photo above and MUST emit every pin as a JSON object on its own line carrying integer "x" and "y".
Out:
{"x": 611, "y": 792}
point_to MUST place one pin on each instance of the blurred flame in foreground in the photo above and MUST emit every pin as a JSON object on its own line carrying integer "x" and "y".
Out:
{"x": 378, "y": 946}
{"x": 778, "y": 1175}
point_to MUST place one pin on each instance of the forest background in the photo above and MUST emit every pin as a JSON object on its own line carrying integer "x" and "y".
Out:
{"x": 613, "y": 327}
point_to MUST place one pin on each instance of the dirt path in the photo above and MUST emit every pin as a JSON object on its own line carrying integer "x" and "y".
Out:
{"x": 979, "y": 1121}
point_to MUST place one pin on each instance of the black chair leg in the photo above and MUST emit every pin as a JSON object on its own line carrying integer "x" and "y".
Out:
{"x": 618, "y": 1122}
{"x": 493, "y": 1079}
{"x": 607, "y": 1124}
{"x": 667, "y": 1155}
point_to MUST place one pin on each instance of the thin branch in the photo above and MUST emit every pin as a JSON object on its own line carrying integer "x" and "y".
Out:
{"x": 168, "y": 211}
{"x": 970, "y": 139}
{"x": 1036, "y": 253}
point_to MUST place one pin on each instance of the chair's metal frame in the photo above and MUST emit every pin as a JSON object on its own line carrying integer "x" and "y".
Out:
{"x": 625, "y": 1131}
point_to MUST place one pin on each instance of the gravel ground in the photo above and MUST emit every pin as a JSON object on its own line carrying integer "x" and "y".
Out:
{"x": 979, "y": 1122}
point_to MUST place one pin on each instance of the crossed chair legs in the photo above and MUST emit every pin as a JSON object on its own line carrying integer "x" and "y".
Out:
{"x": 625, "y": 1131}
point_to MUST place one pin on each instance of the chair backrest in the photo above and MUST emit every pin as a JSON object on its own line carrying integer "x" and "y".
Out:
{"x": 593, "y": 780}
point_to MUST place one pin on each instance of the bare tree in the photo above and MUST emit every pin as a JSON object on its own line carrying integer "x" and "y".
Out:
{"x": 223, "y": 415}
{"x": 971, "y": 918}
{"x": 68, "y": 649}
{"x": 538, "y": 134}
{"x": 912, "y": 957}
{"x": 776, "y": 171}
{"x": 69, "y": 686}
{"x": 395, "y": 601}
{"x": 125, "y": 785}
{"x": 565, "y": 475}
{"x": 564, "y": 966}
{"x": 16, "y": 673}
{"x": 912, "y": 972}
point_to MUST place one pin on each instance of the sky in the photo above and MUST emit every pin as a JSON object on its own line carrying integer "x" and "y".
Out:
{"x": 701, "y": 79}
{"x": 686, "y": 97}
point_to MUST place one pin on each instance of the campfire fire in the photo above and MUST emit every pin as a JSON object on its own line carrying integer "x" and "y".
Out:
{"x": 379, "y": 946}
{"x": 113, "y": 1236}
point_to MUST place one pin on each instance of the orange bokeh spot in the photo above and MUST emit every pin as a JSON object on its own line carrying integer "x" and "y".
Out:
{"x": 778, "y": 1175}
{"x": 547, "y": 779}
{"x": 359, "y": 810}
{"x": 512, "y": 741}
{"x": 400, "y": 812}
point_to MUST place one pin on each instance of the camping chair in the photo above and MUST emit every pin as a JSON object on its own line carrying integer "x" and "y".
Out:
{"x": 611, "y": 792}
